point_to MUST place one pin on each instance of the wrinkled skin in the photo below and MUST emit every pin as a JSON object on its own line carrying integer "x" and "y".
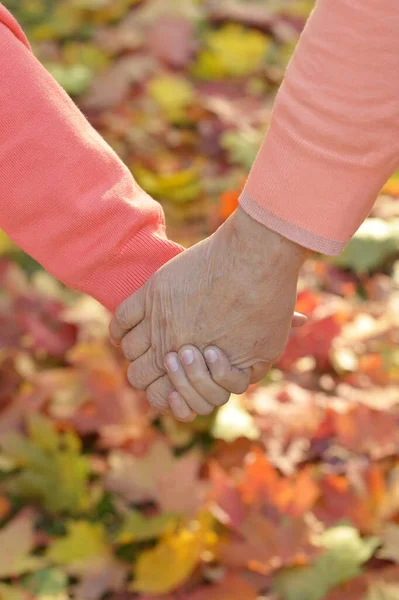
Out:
{"x": 235, "y": 290}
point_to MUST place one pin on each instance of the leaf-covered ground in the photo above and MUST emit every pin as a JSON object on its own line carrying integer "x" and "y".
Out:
{"x": 291, "y": 492}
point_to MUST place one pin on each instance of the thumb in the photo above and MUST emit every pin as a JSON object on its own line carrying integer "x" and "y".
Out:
{"x": 298, "y": 320}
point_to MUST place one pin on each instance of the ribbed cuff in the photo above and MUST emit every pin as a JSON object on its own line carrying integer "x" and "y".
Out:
{"x": 130, "y": 268}
{"x": 296, "y": 234}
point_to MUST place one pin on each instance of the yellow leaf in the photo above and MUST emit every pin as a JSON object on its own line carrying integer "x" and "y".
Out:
{"x": 84, "y": 541}
{"x": 232, "y": 50}
{"x": 168, "y": 565}
{"x": 181, "y": 186}
{"x": 173, "y": 94}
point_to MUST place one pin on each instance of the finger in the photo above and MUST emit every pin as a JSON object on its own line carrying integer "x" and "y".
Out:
{"x": 157, "y": 394}
{"x": 200, "y": 378}
{"x": 259, "y": 371}
{"x": 193, "y": 372}
{"x": 146, "y": 369}
{"x": 182, "y": 385}
{"x": 231, "y": 378}
{"x": 298, "y": 320}
{"x": 180, "y": 408}
{"x": 128, "y": 315}
{"x": 137, "y": 341}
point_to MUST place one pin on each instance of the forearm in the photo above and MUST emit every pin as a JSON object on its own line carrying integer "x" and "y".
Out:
{"x": 333, "y": 139}
{"x": 65, "y": 197}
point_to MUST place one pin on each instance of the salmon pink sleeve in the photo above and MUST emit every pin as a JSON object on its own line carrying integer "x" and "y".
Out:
{"x": 65, "y": 197}
{"x": 333, "y": 139}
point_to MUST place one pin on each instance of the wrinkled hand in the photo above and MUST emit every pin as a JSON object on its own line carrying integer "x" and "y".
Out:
{"x": 235, "y": 290}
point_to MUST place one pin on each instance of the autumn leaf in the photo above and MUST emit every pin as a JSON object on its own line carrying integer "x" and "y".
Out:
{"x": 232, "y": 50}
{"x": 46, "y": 582}
{"x": 137, "y": 528}
{"x": 52, "y": 471}
{"x": 345, "y": 553}
{"x": 172, "y": 561}
{"x": 17, "y": 541}
{"x": 173, "y": 95}
{"x": 230, "y": 588}
{"x": 84, "y": 541}
{"x": 375, "y": 241}
{"x": 136, "y": 478}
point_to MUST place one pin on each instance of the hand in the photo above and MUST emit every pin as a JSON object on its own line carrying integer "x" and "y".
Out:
{"x": 235, "y": 290}
{"x": 198, "y": 390}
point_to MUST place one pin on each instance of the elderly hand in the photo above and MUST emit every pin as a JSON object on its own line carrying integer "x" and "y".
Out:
{"x": 236, "y": 290}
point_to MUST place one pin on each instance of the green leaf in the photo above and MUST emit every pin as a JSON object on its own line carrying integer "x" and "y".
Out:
{"x": 137, "y": 528}
{"x": 345, "y": 553}
{"x": 75, "y": 79}
{"x": 52, "y": 470}
{"x": 47, "y": 582}
{"x": 375, "y": 241}
{"x": 84, "y": 541}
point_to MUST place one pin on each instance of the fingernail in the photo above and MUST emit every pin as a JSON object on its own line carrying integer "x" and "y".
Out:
{"x": 172, "y": 364}
{"x": 179, "y": 405}
{"x": 211, "y": 355}
{"x": 187, "y": 356}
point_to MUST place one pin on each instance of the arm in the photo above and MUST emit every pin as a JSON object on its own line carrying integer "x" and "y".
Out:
{"x": 65, "y": 197}
{"x": 333, "y": 140}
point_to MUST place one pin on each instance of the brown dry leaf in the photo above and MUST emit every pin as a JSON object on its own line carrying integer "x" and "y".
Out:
{"x": 265, "y": 546}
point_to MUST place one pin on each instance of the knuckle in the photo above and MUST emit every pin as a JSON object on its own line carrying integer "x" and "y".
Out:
{"x": 135, "y": 377}
{"x": 122, "y": 315}
{"x": 128, "y": 348}
{"x": 157, "y": 398}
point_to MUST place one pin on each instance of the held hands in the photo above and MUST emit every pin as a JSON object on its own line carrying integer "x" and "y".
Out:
{"x": 235, "y": 291}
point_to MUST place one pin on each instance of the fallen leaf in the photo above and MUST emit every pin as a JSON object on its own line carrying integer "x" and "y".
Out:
{"x": 17, "y": 542}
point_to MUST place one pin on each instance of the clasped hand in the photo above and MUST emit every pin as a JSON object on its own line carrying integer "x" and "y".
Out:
{"x": 213, "y": 319}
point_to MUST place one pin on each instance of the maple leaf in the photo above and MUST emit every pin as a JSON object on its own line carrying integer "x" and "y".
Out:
{"x": 231, "y": 588}
{"x": 136, "y": 478}
{"x": 46, "y": 582}
{"x": 85, "y": 553}
{"x": 265, "y": 546}
{"x": 173, "y": 560}
{"x": 232, "y": 50}
{"x": 17, "y": 541}
{"x": 173, "y": 95}
{"x": 180, "y": 490}
{"x": 83, "y": 542}
{"x": 137, "y": 528}
{"x": 52, "y": 470}
{"x": 171, "y": 39}
{"x": 345, "y": 553}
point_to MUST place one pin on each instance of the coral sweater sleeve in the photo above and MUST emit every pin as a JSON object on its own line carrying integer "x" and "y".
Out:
{"x": 65, "y": 197}
{"x": 333, "y": 139}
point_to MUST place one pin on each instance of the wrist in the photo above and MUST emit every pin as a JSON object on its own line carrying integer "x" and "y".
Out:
{"x": 254, "y": 237}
